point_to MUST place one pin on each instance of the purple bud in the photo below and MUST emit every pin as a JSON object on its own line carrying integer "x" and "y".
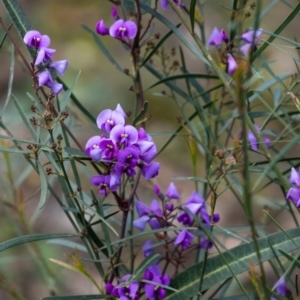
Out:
{"x": 224, "y": 36}
{"x": 232, "y": 65}
{"x": 101, "y": 28}
{"x": 114, "y": 13}
{"x": 59, "y": 66}
{"x": 172, "y": 192}
{"x": 169, "y": 207}
{"x": 216, "y": 38}
{"x": 156, "y": 189}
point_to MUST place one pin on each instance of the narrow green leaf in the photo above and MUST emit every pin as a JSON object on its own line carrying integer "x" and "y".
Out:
{"x": 17, "y": 15}
{"x": 291, "y": 16}
{"x": 66, "y": 97}
{"x": 141, "y": 114}
{"x": 179, "y": 34}
{"x": 10, "y": 150}
{"x": 183, "y": 76}
{"x": 192, "y": 13}
{"x": 237, "y": 259}
{"x": 33, "y": 238}
{"x": 24, "y": 118}
{"x": 10, "y": 80}
{"x": 44, "y": 186}
{"x": 129, "y": 6}
{"x": 102, "y": 47}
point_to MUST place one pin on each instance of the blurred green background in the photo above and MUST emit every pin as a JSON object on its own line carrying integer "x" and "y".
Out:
{"x": 102, "y": 86}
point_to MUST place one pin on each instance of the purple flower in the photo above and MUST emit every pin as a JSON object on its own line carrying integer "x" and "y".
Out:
{"x": 121, "y": 29}
{"x": 152, "y": 290}
{"x": 146, "y": 146}
{"x": 281, "y": 288}
{"x": 169, "y": 207}
{"x": 165, "y": 4}
{"x": 34, "y": 39}
{"x": 92, "y": 148}
{"x": 101, "y": 181}
{"x": 121, "y": 111}
{"x": 151, "y": 170}
{"x": 124, "y": 135}
{"x": 224, "y": 36}
{"x": 245, "y": 49}
{"x": 44, "y": 54}
{"x": 110, "y": 289}
{"x": 129, "y": 290}
{"x": 253, "y": 141}
{"x": 45, "y": 78}
{"x": 232, "y": 65}
{"x": 101, "y": 28}
{"x": 109, "y": 150}
{"x": 172, "y": 192}
{"x": 127, "y": 161}
{"x": 252, "y": 36}
{"x": 108, "y": 119}
{"x": 146, "y": 214}
{"x": 216, "y": 38}
{"x": 294, "y": 193}
{"x": 148, "y": 248}
{"x": 184, "y": 238}
{"x": 205, "y": 243}
{"x": 59, "y": 66}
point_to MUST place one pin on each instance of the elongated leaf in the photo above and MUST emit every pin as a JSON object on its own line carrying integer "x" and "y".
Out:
{"x": 18, "y": 17}
{"x": 148, "y": 261}
{"x": 236, "y": 260}
{"x": 78, "y": 297}
{"x": 291, "y": 16}
{"x": 192, "y": 13}
{"x": 184, "y": 76}
{"x": 10, "y": 150}
{"x": 44, "y": 186}
{"x": 34, "y": 238}
{"x": 24, "y": 118}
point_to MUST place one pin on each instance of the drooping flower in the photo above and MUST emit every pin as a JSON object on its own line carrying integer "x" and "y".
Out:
{"x": 103, "y": 182}
{"x": 164, "y": 3}
{"x": 101, "y": 28}
{"x": 172, "y": 191}
{"x": 151, "y": 170}
{"x": 215, "y": 39}
{"x": 93, "y": 149}
{"x": 151, "y": 215}
{"x": 45, "y": 79}
{"x": 130, "y": 290}
{"x": 153, "y": 290}
{"x": 252, "y": 36}
{"x": 184, "y": 238}
{"x": 44, "y": 55}
{"x": 146, "y": 146}
{"x": 59, "y": 66}
{"x": 122, "y": 29}
{"x": 232, "y": 65}
{"x": 253, "y": 140}
{"x": 148, "y": 248}
{"x": 294, "y": 192}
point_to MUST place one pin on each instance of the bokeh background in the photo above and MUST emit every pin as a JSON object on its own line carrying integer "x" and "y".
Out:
{"x": 102, "y": 86}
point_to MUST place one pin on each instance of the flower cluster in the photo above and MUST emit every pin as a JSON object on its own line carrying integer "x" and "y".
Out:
{"x": 121, "y": 150}
{"x": 43, "y": 56}
{"x": 150, "y": 285}
{"x": 253, "y": 140}
{"x": 249, "y": 38}
{"x": 194, "y": 213}
{"x": 120, "y": 29}
{"x": 294, "y": 192}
